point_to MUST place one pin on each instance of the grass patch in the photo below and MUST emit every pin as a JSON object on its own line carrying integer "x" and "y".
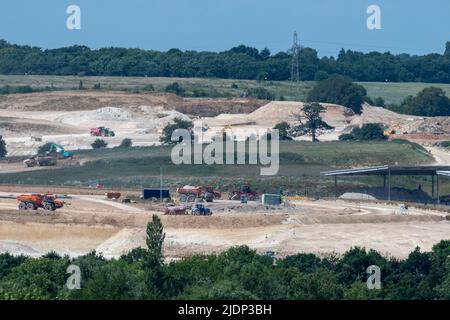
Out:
{"x": 392, "y": 93}
{"x": 300, "y": 167}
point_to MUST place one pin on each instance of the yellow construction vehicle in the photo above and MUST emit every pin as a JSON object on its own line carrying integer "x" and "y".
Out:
{"x": 392, "y": 129}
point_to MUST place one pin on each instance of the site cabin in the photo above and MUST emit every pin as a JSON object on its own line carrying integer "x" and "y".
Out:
{"x": 150, "y": 193}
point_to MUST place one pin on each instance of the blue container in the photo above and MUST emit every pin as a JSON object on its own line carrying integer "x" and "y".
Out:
{"x": 149, "y": 193}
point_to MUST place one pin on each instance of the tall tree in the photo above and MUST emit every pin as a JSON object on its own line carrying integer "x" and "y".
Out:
{"x": 3, "y": 151}
{"x": 155, "y": 240}
{"x": 310, "y": 121}
{"x": 429, "y": 102}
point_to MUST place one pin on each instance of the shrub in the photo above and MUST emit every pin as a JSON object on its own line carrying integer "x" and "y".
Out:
{"x": 99, "y": 144}
{"x": 126, "y": 143}
{"x": 260, "y": 93}
{"x": 175, "y": 88}
{"x": 283, "y": 129}
{"x": 379, "y": 102}
{"x": 368, "y": 131}
{"x": 148, "y": 87}
{"x": 3, "y": 151}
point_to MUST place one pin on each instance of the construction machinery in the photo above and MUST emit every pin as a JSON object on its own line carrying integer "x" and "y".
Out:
{"x": 38, "y": 161}
{"x": 102, "y": 132}
{"x": 176, "y": 210}
{"x": 190, "y": 193}
{"x": 58, "y": 150}
{"x": 392, "y": 130}
{"x": 200, "y": 210}
{"x": 245, "y": 190}
{"x": 113, "y": 195}
{"x": 34, "y": 201}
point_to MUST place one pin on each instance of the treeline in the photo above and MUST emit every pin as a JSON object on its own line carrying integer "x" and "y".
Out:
{"x": 239, "y": 273}
{"x": 241, "y": 62}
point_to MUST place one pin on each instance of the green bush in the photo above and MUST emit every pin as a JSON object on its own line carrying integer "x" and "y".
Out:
{"x": 99, "y": 144}
{"x": 368, "y": 131}
{"x": 260, "y": 93}
{"x": 175, "y": 88}
{"x": 16, "y": 89}
{"x": 283, "y": 130}
{"x": 379, "y": 102}
{"x": 126, "y": 143}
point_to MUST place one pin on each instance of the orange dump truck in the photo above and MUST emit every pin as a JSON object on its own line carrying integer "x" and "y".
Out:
{"x": 35, "y": 201}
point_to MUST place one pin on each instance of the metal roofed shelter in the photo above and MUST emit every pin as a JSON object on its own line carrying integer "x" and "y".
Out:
{"x": 388, "y": 170}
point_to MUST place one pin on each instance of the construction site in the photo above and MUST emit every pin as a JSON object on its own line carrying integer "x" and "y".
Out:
{"x": 55, "y": 201}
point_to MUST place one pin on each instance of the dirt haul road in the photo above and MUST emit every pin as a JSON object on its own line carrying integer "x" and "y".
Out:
{"x": 90, "y": 222}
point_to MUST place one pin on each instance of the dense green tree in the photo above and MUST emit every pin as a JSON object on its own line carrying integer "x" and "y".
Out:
{"x": 283, "y": 130}
{"x": 9, "y": 262}
{"x": 238, "y": 273}
{"x": 115, "y": 280}
{"x": 304, "y": 262}
{"x": 36, "y": 279}
{"x": 169, "y": 129}
{"x": 319, "y": 285}
{"x": 310, "y": 121}
{"x": 359, "y": 291}
{"x": 430, "y": 102}
{"x": 339, "y": 90}
{"x": 241, "y": 62}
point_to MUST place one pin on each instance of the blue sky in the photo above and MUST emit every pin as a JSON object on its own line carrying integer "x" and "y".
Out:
{"x": 415, "y": 27}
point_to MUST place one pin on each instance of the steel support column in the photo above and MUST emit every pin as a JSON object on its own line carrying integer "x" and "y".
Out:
{"x": 389, "y": 184}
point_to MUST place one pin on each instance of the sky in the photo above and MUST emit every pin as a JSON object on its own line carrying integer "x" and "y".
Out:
{"x": 415, "y": 27}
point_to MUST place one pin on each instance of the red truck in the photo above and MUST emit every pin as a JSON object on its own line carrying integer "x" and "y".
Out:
{"x": 176, "y": 210}
{"x": 102, "y": 132}
{"x": 190, "y": 193}
{"x": 245, "y": 190}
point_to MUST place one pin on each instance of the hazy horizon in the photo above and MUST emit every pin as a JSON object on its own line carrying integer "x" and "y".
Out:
{"x": 204, "y": 25}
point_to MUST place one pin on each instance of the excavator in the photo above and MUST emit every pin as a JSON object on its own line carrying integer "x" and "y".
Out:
{"x": 59, "y": 150}
{"x": 55, "y": 151}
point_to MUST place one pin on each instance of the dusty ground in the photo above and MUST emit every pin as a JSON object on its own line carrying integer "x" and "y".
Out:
{"x": 91, "y": 222}
{"x": 65, "y": 117}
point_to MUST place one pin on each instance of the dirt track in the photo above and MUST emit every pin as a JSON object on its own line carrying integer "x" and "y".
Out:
{"x": 89, "y": 222}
